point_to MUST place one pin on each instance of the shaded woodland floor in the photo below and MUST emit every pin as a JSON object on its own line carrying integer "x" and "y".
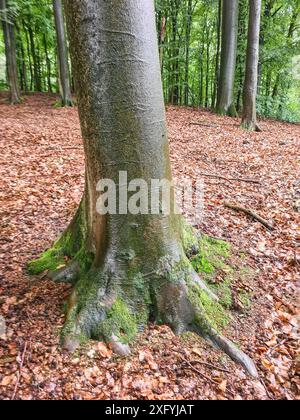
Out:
{"x": 42, "y": 167}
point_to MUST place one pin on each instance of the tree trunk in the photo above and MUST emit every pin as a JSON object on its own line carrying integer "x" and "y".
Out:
{"x": 225, "y": 101}
{"x": 37, "y": 80}
{"x": 48, "y": 64}
{"x": 162, "y": 37}
{"x": 10, "y": 53}
{"x": 217, "y": 65}
{"x": 29, "y": 56}
{"x": 250, "y": 84}
{"x": 62, "y": 53}
{"x": 132, "y": 267}
{"x": 187, "y": 50}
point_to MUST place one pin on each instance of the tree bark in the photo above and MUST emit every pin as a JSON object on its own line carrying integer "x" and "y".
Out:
{"x": 133, "y": 268}
{"x": 37, "y": 80}
{"x": 225, "y": 101}
{"x": 187, "y": 50}
{"x": 62, "y": 53}
{"x": 250, "y": 84}
{"x": 29, "y": 56}
{"x": 10, "y": 53}
{"x": 217, "y": 65}
{"x": 48, "y": 64}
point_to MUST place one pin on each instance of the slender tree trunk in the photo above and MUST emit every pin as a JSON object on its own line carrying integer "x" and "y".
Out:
{"x": 162, "y": 41}
{"x": 133, "y": 266}
{"x": 48, "y": 64}
{"x": 207, "y": 68}
{"x": 250, "y": 84}
{"x": 37, "y": 80}
{"x": 22, "y": 61}
{"x": 62, "y": 52}
{"x": 217, "y": 65}
{"x": 187, "y": 50}
{"x": 29, "y": 56}
{"x": 225, "y": 102}
{"x": 201, "y": 76}
{"x": 10, "y": 53}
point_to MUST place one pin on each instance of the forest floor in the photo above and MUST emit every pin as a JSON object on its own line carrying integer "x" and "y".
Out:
{"x": 42, "y": 167}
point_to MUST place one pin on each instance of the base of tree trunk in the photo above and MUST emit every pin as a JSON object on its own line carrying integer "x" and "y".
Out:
{"x": 114, "y": 302}
{"x": 250, "y": 125}
{"x": 230, "y": 111}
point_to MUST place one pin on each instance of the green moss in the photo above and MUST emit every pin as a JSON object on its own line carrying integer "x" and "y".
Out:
{"x": 245, "y": 299}
{"x": 211, "y": 255}
{"x": 189, "y": 238}
{"x": 223, "y": 291}
{"x": 120, "y": 322}
{"x": 49, "y": 260}
{"x": 58, "y": 255}
{"x": 214, "y": 312}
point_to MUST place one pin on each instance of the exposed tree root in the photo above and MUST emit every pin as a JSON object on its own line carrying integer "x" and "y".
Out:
{"x": 108, "y": 312}
{"x": 115, "y": 301}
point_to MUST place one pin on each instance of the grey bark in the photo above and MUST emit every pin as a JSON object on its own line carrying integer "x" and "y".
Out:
{"x": 217, "y": 64}
{"x": 62, "y": 53}
{"x": 225, "y": 100}
{"x": 10, "y": 53}
{"x": 36, "y": 71}
{"x": 251, "y": 75}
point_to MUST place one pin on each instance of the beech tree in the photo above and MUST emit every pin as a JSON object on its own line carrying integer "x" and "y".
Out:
{"x": 10, "y": 52}
{"x": 62, "y": 54}
{"x": 225, "y": 98}
{"x": 128, "y": 268}
{"x": 251, "y": 76}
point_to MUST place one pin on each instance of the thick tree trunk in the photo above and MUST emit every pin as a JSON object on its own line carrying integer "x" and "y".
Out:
{"x": 133, "y": 268}
{"x": 250, "y": 84}
{"x": 62, "y": 53}
{"x": 10, "y": 53}
{"x": 225, "y": 101}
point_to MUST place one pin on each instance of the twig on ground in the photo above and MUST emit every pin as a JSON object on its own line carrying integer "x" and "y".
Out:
{"x": 20, "y": 371}
{"x": 210, "y": 366}
{"x": 250, "y": 213}
{"x": 250, "y": 181}
{"x": 204, "y": 124}
{"x": 203, "y": 376}
{"x": 271, "y": 350}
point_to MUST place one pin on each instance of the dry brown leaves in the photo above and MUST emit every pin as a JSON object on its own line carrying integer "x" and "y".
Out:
{"x": 42, "y": 166}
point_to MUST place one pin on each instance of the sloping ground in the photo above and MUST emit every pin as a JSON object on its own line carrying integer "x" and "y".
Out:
{"x": 42, "y": 166}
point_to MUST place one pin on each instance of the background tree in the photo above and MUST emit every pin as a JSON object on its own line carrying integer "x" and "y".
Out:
{"x": 225, "y": 102}
{"x": 189, "y": 41}
{"x": 62, "y": 54}
{"x": 10, "y": 51}
{"x": 250, "y": 85}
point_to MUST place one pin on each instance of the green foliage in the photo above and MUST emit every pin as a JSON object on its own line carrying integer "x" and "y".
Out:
{"x": 189, "y": 50}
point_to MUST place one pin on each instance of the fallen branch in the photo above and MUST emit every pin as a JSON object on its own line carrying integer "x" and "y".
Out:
{"x": 252, "y": 181}
{"x": 250, "y": 213}
{"x": 204, "y": 124}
